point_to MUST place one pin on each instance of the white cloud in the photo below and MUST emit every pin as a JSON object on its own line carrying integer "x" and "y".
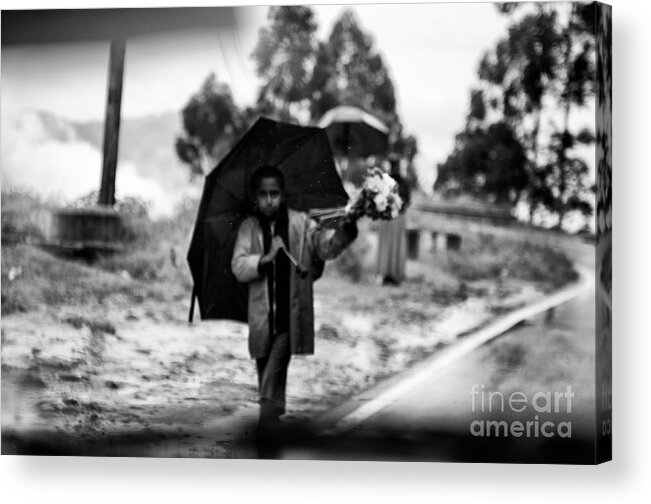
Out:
{"x": 32, "y": 159}
{"x": 52, "y": 162}
{"x": 161, "y": 202}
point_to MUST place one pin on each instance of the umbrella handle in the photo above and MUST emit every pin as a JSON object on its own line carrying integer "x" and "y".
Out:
{"x": 302, "y": 272}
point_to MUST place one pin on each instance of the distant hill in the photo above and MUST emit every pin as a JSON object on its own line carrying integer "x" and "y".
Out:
{"x": 61, "y": 158}
{"x": 147, "y": 142}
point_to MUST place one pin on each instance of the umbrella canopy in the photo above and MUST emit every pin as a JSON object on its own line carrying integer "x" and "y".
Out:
{"x": 303, "y": 155}
{"x": 354, "y": 132}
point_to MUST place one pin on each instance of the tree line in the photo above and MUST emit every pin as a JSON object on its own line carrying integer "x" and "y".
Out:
{"x": 518, "y": 143}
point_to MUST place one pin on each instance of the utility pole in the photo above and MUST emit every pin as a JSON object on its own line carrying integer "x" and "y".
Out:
{"x": 112, "y": 122}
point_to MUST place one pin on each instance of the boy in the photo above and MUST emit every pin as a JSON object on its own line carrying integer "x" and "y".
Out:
{"x": 280, "y": 305}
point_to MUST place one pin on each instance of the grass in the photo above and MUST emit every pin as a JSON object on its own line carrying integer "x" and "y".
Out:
{"x": 95, "y": 325}
{"x": 151, "y": 267}
{"x": 157, "y": 254}
{"x": 493, "y": 260}
{"x": 20, "y": 210}
{"x": 48, "y": 280}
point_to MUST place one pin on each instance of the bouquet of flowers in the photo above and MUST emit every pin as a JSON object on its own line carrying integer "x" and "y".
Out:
{"x": 378, "y": 200}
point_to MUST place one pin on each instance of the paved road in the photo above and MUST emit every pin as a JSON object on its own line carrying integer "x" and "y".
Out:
{"x": 545, "y": 354}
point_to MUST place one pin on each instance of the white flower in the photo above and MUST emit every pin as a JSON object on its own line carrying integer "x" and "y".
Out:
{"x": 373, "y": 184}
{"x": 379, "y": 198}
{"x": 389, "y": 181}
{"x": 381, "y": 202}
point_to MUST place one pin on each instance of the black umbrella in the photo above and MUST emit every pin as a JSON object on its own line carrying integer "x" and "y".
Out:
{"x": 303, "y": 155}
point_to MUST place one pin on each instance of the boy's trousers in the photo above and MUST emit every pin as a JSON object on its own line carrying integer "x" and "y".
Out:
{"x": 272, "y": 375}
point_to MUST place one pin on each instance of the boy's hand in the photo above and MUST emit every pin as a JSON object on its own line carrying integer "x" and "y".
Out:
{"x": 276, "y": 245}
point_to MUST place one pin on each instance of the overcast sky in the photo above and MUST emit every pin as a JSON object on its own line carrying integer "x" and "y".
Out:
{"x": 432, "y": 52}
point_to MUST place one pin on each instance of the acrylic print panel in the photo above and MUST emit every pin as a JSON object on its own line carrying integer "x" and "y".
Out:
{"x": 421, "y": 272}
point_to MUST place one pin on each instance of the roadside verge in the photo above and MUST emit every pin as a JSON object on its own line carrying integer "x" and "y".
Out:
{"x": 363, "y": 406}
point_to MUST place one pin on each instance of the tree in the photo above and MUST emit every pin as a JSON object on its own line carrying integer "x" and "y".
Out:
{"x": 541, "y": 71}
{"x": 496, "y": 157}
{"x": 577, "y": 66}
{"x": 489, "y": 160}
{"x": 604, "y": 79}
{"x": 303, "y": 77}
{"x": 350, "y": 71}
{"x": 489, "y": 164}
{"x": 406, "y": 147}
{"x": 566, "y": 179}
{"x": 285, "y": 56}
{"x": 211, "y": 124}
{"x": 520, "y": 72}
{"x": 559, "y": 62}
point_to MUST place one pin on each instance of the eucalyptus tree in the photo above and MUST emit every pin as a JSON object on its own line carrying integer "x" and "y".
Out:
{"x": 529, "y": 86}
{"x": 351, "y": 71}
{"x": 211, "y": 123}
{"x": 285, "y": 57}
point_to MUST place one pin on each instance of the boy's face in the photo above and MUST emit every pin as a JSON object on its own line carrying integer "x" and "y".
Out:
{"x": 269, "y": 197}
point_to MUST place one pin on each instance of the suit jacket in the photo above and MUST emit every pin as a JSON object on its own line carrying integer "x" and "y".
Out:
{"x": 306, "y": 241}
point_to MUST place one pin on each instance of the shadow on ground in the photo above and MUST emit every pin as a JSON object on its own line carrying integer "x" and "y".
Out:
{"x": 298, "y": 442}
